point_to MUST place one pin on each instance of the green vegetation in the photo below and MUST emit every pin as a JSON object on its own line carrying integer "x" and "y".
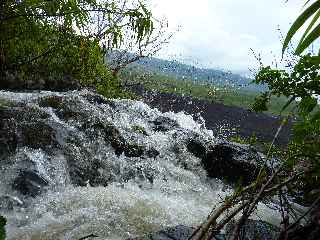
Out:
{"x": 311, "y": 33}
{"x": 54, "y": 44}
{"x": 297, "y": 171}
{"x": 203, "y": 91}
{"x": 3, "y": 223}
{"x": 5, "y": 103}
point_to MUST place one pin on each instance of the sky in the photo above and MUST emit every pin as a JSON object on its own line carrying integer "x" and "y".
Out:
{"x": 220, "y": 33}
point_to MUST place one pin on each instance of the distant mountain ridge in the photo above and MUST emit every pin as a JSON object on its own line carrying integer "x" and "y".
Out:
{"x": 183, "y": 71}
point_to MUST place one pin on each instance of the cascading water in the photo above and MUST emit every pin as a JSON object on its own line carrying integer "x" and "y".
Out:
{"x": 74, "y": 164}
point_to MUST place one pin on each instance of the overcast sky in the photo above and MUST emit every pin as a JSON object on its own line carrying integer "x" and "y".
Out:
{"x": 220, "y": 33}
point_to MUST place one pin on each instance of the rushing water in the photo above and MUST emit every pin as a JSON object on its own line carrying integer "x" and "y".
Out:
{"x": 142, "y": 194}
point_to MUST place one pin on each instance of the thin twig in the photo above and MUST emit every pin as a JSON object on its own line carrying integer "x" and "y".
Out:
{"x": 252, "y": 205}
{"x": 89, "y": 236}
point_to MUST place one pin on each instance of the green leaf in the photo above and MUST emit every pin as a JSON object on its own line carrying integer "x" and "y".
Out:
{"x": 315, "y": 18}
{"x": 299, "y": 22}
{"x": 308, "y": 40}
{"x": 145, "y": 10}
{"x": 315, "y": 60}
{"x": 307, "y": 104}
{"x": 306, "y": 3}
{"x": 260, "y": 103}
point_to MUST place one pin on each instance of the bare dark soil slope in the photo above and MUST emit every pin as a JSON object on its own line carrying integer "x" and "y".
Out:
{"x": 223, "y": 120}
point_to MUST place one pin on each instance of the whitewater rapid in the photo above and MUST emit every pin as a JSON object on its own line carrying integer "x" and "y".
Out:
{"x": 130, "y": 204}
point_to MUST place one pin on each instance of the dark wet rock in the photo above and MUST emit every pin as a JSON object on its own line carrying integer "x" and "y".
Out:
{"x": 233, "y": 162}
{"x": 164, "y": 124}
{"x": 30, "y": 183}
{"x": 11, "y": 80}
{"x": 139, "y": 129}
{"x": 226, "y": 160}
{"x": 113, "y": 135}
{"x": 197, "y": 147}
{"x": 179, "y": 232}
{"x": 8, "y": 203}
{"x": 67, "y": 108}
{"x": 22, "y": 114}
{"x": 133, "y": 150}
{"x": 98, "y": 99}
{"x": 51, "y": 101}
{"x": 72, "y": 108}
{"x": 68, "y": 111}
{"x": 152, "y": 153}
{"x": 254, "y": 229}
{"x": 96, "y": 172}
{"x": 141, "y": 174}
{"x": 37, "y": 135}
{"x": 23, "y": 126}
{"x": 93, "y": 174}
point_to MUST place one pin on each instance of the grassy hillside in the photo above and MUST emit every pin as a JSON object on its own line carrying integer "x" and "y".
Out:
{"x": 180, "y": 71}
{"x": 200, "y": 90}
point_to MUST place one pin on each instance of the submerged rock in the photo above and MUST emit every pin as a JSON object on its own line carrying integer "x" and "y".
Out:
{"x": 51, "y": 101}
{"x": 255, "y": 229}
{"x": 30, "y": 183}
{"x": 179, "y": 232}
{"x": 8, "y": 202}
{"x": 164, "y": 124}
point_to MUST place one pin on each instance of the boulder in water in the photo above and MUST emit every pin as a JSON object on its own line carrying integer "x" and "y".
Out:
{"x": 164, "y": 124}
{"x": 24, "y": 126}
{"x": 197, "y": 147}
{"x": 226, "y": 160}
{"x": 30, "y": 183}
{"x": 233, "y": 162}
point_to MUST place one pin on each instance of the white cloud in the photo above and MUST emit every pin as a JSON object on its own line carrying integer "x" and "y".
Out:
{"x": 220, "y": 33}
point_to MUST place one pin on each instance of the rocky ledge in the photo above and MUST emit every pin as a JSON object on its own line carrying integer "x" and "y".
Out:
{"x": 55, "y": 126}
{"x": 50, "y": 142}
